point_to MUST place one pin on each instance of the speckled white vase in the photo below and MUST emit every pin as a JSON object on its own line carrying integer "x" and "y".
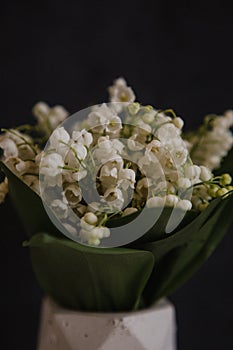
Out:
{"x": 149, "y": 329}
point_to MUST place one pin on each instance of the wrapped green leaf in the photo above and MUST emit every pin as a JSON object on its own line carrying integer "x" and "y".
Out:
{"x": 117, "y": 278}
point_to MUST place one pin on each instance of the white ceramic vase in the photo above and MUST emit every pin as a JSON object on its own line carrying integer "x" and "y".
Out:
{"x": 148, "y": 329}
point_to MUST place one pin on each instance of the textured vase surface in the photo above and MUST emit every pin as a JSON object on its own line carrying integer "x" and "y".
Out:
{"x": 149, "y": 329}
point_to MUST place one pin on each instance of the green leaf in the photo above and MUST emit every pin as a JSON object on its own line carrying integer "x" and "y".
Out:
{"x": 179, "y": 256}
{"x": 158, "y": 231}
{"x": 86, "y": 278}
{"x": 29, "y": 205}
{"x": 161, "y": 220}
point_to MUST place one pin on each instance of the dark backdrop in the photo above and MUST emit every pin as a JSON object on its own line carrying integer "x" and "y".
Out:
{"x": 68, "y": 52}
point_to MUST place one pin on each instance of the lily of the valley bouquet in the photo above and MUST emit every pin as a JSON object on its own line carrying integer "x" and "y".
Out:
{"x": 120, "y": 206}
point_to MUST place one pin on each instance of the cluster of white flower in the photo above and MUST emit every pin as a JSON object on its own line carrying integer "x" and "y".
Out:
{"x": 213, "y": 140}
{"x": 49, "y": 118}
{"x": 65, "y": 163}
{"x": 118, "y": 160}
{"x": 120, "y": 92}
{"x": 103, "y": 119}
{"x": 90, "y": 231}
{"x": 19, "y": 154}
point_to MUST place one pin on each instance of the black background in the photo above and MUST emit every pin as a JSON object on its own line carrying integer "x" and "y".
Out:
{"x": 67, "y": 52}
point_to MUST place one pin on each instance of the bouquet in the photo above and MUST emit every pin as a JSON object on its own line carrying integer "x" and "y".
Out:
{"x": 120, "y": 206}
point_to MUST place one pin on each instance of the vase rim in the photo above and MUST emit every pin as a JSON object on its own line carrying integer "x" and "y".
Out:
{"x": 159, "y": 305}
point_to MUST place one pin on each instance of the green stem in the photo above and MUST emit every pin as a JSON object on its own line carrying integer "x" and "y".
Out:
{"x": 104, "y": 220}
{"x": 69, "y": 168}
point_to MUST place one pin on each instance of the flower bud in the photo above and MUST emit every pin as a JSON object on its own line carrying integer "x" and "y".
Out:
{"x": 90, "y": 218}
{"x": 41, "y": 108}
{"x": 184, "y": 183}
{"x": 203, "y": 206}
{"x": 134, "y": 108}
{"x": 225, "y": 179}
{"x": 184, "y": 204}
{"x": 205, "y": 173}
{"x": 178, "y": 122}
{"x": 212, "y": 190}
{"x": 9, "y": 148}
{"x": 94, "y": 241}
{"x": 129, "y": 211}
{"x": 171, "y": 200}
{"x": 148, "y": 118}
{"x": 221, "y": 192}
{"x": 155, "y": 202}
